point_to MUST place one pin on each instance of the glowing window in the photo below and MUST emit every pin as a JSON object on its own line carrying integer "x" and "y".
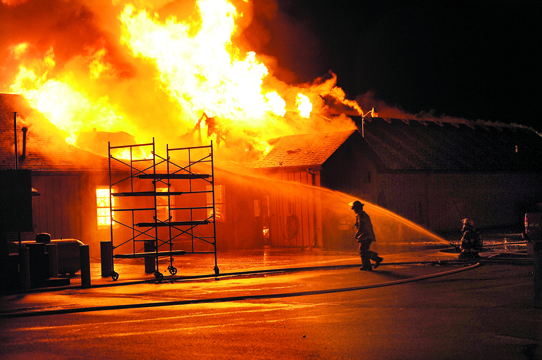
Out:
{"x": 220, "y": 202}
{"x": 102, "y": 204}
{"x": 162, "y": 205}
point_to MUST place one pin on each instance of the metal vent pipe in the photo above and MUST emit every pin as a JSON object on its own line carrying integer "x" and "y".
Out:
{"x": 16, "y": 147}
{"x": 23, "y": 155}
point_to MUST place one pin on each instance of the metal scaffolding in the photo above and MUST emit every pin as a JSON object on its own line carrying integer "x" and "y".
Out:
{"x": 164, "y": 203}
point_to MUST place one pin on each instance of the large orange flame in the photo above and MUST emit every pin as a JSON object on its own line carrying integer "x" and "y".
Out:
{"x": 186, "y": 81}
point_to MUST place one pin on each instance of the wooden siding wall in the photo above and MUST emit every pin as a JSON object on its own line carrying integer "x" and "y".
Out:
{"x": 57, "y": 210}
{"x": 66, "y": 207}
{"x": 439, "y": 201}
{"x": 294, "y": 215}
{"x": 351, "y": 171}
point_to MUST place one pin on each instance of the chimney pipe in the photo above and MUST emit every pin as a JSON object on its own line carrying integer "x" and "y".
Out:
{"x": 23, "y": 155}
{"x": 16, "y": 147}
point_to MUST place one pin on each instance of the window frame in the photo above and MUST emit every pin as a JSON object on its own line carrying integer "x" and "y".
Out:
{"x": 166, "y": 205}
{"x": 220, "y": 202}
{"x": 106, "y": 208}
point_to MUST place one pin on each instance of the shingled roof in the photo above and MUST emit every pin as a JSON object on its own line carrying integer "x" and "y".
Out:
{"x": 418, "y": 145}
{"x": 46, "y": 149}
{"x": 454, "y": 145}
{"x": 303, "y": 150}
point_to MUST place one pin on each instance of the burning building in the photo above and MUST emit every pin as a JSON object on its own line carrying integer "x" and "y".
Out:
{"x": 184, "y": 74}
{"x": 92, "y": 74}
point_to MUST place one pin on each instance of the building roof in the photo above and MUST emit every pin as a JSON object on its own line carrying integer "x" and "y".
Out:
{"x": 396, "y": 144}
{"x": 420, "y": 145}
{"x": 46, "y": 148}
{"x": 303, "y": 150}
{"x": 417, "y": 145}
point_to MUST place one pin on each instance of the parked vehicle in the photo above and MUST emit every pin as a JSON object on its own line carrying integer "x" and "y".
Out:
{"x": 533, "y": 226}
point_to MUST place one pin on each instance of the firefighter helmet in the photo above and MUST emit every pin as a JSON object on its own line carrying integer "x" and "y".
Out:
{"x": 356, "y": 205}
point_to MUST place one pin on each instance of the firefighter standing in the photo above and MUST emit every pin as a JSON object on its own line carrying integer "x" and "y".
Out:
{"x": 365, "y": 236}
{"x": 470, "y": 241}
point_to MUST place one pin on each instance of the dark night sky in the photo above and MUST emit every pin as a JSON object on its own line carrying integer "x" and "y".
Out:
{"x": 474, "y": 59}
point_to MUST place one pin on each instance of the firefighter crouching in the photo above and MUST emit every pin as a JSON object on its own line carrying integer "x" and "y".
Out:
{"x": 470, "y": 241}
{"x": 365, "y": 236}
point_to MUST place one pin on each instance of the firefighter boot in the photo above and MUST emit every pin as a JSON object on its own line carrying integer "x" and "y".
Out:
{"x": 366, "y": 263}
{"x": 378, "y": 261}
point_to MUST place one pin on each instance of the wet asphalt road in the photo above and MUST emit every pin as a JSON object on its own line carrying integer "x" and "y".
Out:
{"x": 485, "y": 312}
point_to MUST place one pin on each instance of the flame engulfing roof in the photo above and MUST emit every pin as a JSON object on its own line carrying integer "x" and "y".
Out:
{"x": 46, "y": 148}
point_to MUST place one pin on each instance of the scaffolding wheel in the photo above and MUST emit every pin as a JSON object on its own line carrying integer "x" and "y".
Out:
{"x": 114, "y": 275}
{"x": 158, "y": 275}
{"x": 172, "y": 270}
{"x": 217, "y": 272}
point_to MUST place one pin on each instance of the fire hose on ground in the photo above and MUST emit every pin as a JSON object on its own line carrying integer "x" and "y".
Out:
{"x": 469, "y": 266}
